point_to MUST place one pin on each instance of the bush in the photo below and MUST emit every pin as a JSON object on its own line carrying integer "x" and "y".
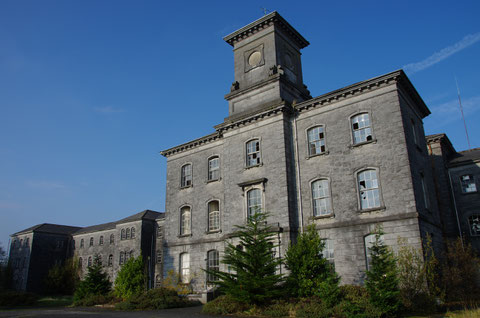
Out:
{"x": 382, "y": 278}
{"x": 173, "y": 281}
{"x": 62, "y": 280}
{"x": 131, "y": 278}
{"x": 16, "y": 298}
{"x": 224, "y": 305}
{"x": 278, "y": 308}
{"x": 313, "y": 307}
{"x": 418, "y": 278}
{"x": 95, "y": 283}
{"x": 356, "y": 303}
{"x": 158, "y": 298}
{"x": 310, "y": 273}
{"x": 460, "y": 272}
{"x": 92, "y": 300}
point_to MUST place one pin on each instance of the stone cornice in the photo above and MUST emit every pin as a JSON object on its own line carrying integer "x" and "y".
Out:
{"x": 363, "y": 87}
{"x": 254, "y": 116}
{"x": 272, "y": 18}
{"x": 191, "y": 144}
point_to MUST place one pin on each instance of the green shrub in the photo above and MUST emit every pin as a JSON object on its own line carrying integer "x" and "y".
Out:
{"x": 253, "y": 278}
{"x": 382, "y": 278}
{"x": 356, "y": 303}
{"x": 313, "y": 307}
{"x": 92, "y": 300}
{"x": 95, "y": 283}
{"x": 224, "y": 305}
{"x": 310, "y": 273}
{"x": 62, "y": 280}
{"x": 158, "y": 298}
{"x": 278, "y": 308}
{"x": 16, "y": 298}
{"x": 460, "y": 272}
{"x": 131, "y": 278}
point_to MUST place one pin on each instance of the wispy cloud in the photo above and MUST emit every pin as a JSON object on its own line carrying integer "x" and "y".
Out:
{"x": 444, "y": 53}
{"x": 108, "y": 110}
{"x": 45, "y": 185}
{"x": 450, "y": 111}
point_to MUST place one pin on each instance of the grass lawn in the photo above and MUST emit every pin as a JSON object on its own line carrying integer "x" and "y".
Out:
{"x": 468, "y": 313}
{"x": 54, "y": 301}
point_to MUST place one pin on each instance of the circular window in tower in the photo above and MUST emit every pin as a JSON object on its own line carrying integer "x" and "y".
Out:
{"x": 255, "y": 58}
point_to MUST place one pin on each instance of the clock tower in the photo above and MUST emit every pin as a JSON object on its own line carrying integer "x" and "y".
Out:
{"x": 267, "y": 63}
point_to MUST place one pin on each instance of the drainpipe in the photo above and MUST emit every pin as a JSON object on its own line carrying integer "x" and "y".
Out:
{"x": 297, "y": 170}
{"x": 455, "y": 206}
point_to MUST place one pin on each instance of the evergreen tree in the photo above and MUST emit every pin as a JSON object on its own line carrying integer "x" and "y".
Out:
{"x": 96, "y": 282}
{"x": 131, "y": 278}
{"x": 310, "y": 273}
{"x": 252, "y": 266}
{"x": 382, "y": 277}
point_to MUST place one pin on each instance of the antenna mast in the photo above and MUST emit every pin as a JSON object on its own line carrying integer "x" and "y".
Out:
{"x": 463, "y": 117}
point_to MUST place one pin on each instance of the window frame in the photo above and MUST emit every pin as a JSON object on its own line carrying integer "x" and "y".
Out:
{"x": 100, "y": 242}
{"x": 182, "y": 231}
{"x": 424, "y": 187}
{"x": 217, "y": 169}
{"x": 183, "y": 176}
{"x": 123, "y": 235}
{"x": 329, "y": 197}
{"x": 324, "y": 139}
{"x": 110, "y": 260}
{"x": 469, "y": 222}
{"x": 379, "y": 188}
{"x": 209, "y": 228}
{"x": 211, "y": 278}
{"x": 82, "y": 243}
{"x": 462, "y": 189}
{"x": 112, "y": 239}
{"x": 247, "y": 210}
{"x": 184, "y": 271}
{"x": 91, "y": 242}
{"x": 259, "y": 152}
{"x": 352, "y": 130}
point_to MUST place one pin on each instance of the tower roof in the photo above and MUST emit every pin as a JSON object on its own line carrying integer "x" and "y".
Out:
{"x": 273, "y": 18}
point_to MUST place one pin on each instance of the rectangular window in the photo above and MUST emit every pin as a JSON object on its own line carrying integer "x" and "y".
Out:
{"x": 213, "y": 216}
{"x": 213, "y": 264}
{"x": 253, "y": 153}
{"x": 426, "y": 200}
{"x": 474, "y": 222}
{"x": 214, "y": 169}
{"x": 254, "y": 202}
{"x": 186, "y": 176}
{"x": 369, "y": 240}
{"x": 328, "y": 251}
{"x": 468, "y": 183}
{"x": 316, "y": 140}
{"x": 321, "y": 198}
{"x": 368, "y": 189}
{"x": 185, "y": 268}
{"x": 185, "y": 221}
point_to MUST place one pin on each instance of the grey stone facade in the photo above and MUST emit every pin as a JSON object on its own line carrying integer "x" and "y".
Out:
{"x": 51, "y": 244}
{"x": 347, "y": 162}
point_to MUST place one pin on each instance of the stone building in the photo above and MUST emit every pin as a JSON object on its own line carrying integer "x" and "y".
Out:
{"x": 346, "y": 161}
{"x": 34, "y": 251}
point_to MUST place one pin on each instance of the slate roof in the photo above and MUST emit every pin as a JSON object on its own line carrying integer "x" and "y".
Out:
{"x": 466, "y": 156}
{"x": 74, "y": 230}
{"x": 50, "y": 228}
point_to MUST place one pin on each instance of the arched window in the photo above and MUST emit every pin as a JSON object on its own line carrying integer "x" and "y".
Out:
{"x": 131, "y": 254}
{"x": 213, "y": 168}
{"x": 132, "y": 232}
{"x": 213, "y": 216}
{"x": 99, "y": 259}
{"x": 110, "y": 260}
{"x": 213, "y": 264}
{"x": 91, "y": 241}
{"x": 254, "y": 202}
{"x": 112, "y": 238}
{"x": 122, "y": 257}
{"x": 186, "y": 176}
{"x": 185, "y": 268}
{"x": 89, "y": 261}
{"x": 80, "y": 262}
{"x": 82, "y": 243}
{"x": 368, "y": 189}
{"x": 101, "y": 240}
{"x": 316, "y": 140}
{"x": 27, "y": 242}
{"x": 185, "y": 223}
{"x": 128, "y": 233}
{"x": 253, "y": 153}
{"x": 123, "y": 235}
{"x": 321, "y": 198}
{"x": 361, "y": 128}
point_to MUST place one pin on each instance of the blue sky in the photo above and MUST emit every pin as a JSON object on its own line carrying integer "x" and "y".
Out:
{"x": 91, "y": 91}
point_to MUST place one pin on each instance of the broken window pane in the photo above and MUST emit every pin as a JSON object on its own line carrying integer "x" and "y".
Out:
{"x": 316, "y": 140}
{"x": 361, "y": 129}
{"x": 368, "y": 189}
